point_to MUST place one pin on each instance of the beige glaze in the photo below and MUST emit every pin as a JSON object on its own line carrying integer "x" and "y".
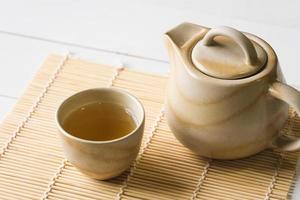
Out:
{"x": 222, "y": 118}
{"x": 102, "y": 159}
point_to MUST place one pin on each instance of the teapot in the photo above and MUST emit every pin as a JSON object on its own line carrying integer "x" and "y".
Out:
{"x": 226, "y": 97}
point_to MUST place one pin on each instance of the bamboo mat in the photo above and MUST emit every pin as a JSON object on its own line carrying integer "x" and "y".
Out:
{"x": 32, "y": 165}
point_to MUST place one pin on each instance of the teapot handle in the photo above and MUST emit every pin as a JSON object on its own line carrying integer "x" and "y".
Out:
{"x": 291, "y": 96}
{"x": 238, "y": 37}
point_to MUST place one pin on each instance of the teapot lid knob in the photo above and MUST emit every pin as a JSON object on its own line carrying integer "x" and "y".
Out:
{"x": 226, "y": 53}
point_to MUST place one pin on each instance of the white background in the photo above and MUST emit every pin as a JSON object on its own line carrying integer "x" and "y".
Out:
{"x": 130, "y": 32}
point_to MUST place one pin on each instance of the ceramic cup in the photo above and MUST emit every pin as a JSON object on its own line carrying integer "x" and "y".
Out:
{"x": 101, "y": 159}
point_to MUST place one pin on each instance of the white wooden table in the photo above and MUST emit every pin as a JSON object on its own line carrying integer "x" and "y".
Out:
{"x": 130, "y": 32}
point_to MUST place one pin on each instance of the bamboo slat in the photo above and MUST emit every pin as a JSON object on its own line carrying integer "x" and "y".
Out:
{"x": 32, "y": 165}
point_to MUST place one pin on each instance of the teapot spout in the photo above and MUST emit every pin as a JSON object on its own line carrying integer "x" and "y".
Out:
{"x": 183, "y": 35}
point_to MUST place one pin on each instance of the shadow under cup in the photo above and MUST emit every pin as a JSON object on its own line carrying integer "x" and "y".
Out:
{"x": 101, "y": 159}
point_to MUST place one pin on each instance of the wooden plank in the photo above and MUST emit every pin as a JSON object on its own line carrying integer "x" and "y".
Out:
{"x": 136, "y": 27}
{"x": 6, "y": 105}
{"x": 20, "y": 58}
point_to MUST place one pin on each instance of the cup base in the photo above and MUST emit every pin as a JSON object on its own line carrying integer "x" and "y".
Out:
{"x": 101, "y": 176}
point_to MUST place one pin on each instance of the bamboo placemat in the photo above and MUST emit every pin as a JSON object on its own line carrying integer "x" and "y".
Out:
{"x": 32, "y": 165}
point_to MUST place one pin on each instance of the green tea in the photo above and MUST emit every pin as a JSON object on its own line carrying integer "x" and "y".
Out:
{"x": 99, "y": 122}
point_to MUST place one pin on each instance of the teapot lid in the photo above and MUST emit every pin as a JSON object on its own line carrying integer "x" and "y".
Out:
{"x": 226, "y": 53}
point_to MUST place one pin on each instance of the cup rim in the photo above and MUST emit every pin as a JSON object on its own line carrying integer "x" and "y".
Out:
{"x": 116, "y": 90}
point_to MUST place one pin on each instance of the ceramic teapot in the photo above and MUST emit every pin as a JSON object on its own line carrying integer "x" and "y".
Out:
{"x": 227, "y": 97}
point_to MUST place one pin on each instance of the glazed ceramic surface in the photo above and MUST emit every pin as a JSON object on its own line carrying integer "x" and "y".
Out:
{"x": 227, "y": 97}
{"x": 101, "y": 159}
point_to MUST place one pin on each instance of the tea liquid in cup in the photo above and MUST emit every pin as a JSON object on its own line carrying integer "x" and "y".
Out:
{"x": 100, "y": 121}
